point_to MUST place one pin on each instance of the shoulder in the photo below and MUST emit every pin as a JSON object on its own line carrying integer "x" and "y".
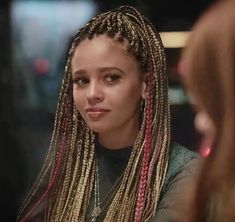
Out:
{"x": 181, "y": 161}
{"x": 183, "y": 167}
{"x": 180, "y": 154}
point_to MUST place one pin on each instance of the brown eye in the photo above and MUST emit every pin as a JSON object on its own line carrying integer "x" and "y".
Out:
{"x": 80, "y": 81}
{"x": 111, "y": 77}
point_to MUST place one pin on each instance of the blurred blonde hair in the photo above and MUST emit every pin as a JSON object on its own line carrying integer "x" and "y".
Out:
{"x": 208, "y": 64}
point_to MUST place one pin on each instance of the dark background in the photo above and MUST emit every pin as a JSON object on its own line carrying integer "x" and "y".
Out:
{"x": 25, "y": 132}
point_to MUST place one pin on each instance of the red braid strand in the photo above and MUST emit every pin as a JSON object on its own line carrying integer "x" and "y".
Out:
{"x": 147, "y": 148}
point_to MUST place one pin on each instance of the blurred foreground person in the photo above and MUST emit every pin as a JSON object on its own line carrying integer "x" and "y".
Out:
{"x": 208, "y": 71}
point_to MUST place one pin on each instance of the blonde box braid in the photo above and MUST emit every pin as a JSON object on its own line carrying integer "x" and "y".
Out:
{"x": 70, "y": 163}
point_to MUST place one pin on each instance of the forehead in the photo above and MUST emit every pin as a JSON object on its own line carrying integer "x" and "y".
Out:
{"x": 102, "y": 43}
{"x": 102, "y": 50}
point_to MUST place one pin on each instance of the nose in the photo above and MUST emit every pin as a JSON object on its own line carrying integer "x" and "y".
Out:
{"x": 94, "y": 93}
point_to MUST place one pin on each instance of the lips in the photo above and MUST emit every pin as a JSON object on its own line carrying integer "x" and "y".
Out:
{"x": 96, "y": 113}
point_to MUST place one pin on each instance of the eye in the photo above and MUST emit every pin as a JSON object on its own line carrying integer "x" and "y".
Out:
{"x": 111, "y": 77}
{"x": 80, "y": 81}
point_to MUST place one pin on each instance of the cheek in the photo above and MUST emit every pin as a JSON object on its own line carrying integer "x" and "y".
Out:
{"x": 78, "y": 101}
{"x": 127, "y": 97}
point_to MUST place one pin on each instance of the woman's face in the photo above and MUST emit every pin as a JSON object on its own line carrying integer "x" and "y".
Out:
{"x": 107, "y": 85}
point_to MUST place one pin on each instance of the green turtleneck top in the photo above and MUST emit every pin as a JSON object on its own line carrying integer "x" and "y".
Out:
{"x": 182, "y": 168}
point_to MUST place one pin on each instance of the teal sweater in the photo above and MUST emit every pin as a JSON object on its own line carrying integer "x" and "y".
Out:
{"x": 181, "y": 169}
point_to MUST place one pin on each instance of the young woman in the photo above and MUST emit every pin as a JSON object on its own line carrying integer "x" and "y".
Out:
{"x": 208, "y": 71}
{"x": 111, "y": 156}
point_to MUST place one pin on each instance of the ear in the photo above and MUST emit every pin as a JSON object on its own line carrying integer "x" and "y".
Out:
{"x": 144, "y": 87}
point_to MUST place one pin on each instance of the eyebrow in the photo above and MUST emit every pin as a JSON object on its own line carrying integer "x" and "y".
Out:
{"x": 100, "y": 70}
{"x": 79, "y": 72}
{"x": 104, "y": 69}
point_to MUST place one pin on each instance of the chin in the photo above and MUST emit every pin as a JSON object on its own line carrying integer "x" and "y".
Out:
{"x": 98, "y": 128}
{"x": 95, "y": 128}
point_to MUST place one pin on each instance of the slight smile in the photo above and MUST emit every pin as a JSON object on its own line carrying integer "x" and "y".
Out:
{"x": 96, "y": 113}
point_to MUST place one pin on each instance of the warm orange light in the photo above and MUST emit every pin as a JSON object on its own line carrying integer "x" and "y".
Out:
{"x": 174, "y": 39}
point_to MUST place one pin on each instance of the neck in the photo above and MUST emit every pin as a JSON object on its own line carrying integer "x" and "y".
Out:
{"x": 118, "y": 139}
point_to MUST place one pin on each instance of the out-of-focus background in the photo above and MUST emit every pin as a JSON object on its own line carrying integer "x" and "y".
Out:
{"x": 34, "y": 40}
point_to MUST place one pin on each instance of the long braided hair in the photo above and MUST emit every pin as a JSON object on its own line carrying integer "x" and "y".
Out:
{"x": 64, "y": 186}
